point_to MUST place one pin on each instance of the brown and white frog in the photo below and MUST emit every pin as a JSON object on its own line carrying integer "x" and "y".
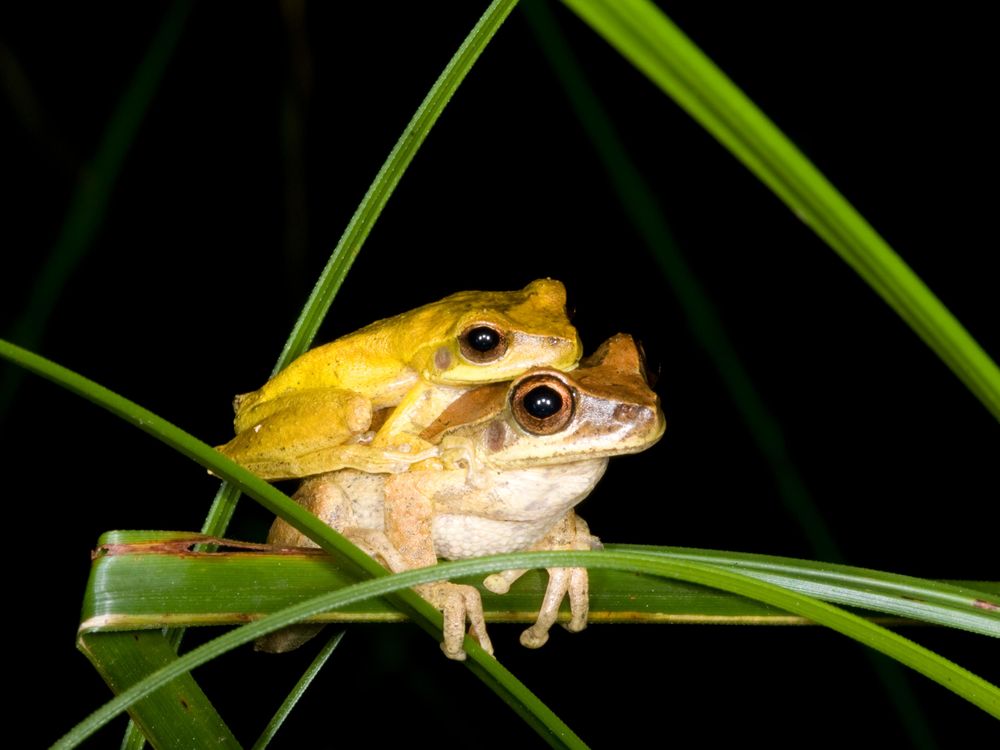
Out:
{"x": 522, "y": 455}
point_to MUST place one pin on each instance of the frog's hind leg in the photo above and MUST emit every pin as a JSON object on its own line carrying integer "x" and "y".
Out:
{"x": 324, "y": 497}
{"x": 283, "y": 438}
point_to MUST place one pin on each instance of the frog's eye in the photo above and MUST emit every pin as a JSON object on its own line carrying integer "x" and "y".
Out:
{"x": 542, "y": 405}
{"x": 482, "y": 343}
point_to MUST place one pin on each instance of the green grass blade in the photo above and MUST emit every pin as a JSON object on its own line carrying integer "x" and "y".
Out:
{"x": 962, "y": 607}
{"x": 300, "y": 688}
{"x": 646, "y": 37}
{"x": 178, "y": 714}
{"x": 88, "y": 205}
{"x": 134, "y": 739}
{"x": 961, "y": 681}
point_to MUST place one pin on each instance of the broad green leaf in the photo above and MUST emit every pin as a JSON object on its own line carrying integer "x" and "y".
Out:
{"x": 178, "y": 714}
{"x": 154, "y": 579}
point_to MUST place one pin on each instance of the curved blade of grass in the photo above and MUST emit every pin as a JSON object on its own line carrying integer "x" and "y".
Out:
{"x": 88, "y": 206}
{"x": 647, "y": 38}
{"x": 961, "y": 681}
{"x": 367, "y": 213}
{"x": 134, "y": 739}
{"x": 300, "y": 688}
{"x": 935, "y": 602}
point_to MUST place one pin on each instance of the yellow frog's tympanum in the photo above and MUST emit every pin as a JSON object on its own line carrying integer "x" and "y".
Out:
{"x": 535, "y": 447}
{"x": 315, "y": 416}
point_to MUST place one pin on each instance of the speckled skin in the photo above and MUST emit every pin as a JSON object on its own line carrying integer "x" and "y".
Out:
{"x": 503, "y": 488}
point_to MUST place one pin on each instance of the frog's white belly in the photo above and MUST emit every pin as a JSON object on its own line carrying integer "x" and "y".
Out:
{"x": 514, "y": 511}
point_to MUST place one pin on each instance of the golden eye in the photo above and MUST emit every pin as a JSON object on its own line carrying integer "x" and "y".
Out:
{"x": 542, "y": 405}
{"x": 482, "y": 343}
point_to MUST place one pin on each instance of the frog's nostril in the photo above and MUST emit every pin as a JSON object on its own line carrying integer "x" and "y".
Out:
{"x": 626, "y": 412}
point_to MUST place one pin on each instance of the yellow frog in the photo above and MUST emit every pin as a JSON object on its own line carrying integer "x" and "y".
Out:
{"x": 538, "y": 446}
{"x": 316, "y": 415}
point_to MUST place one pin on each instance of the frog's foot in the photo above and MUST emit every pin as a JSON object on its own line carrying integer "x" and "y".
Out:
{"x": 562, "y": 582}
{"x": 457, "y": 603}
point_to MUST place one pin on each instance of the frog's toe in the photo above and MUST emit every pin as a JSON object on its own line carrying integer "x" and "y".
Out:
{"x": 453, "y": 652}
{"x": 499, "y": 583}
{"x": 579, "y": 599}
{"x": 535, "y": 637}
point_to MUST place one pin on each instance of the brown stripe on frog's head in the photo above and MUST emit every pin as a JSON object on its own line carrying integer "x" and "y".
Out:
{"x": 472, "y": 407}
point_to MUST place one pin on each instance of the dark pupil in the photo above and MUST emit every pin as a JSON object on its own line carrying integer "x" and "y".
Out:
{"x": 483, "y": 339}
{"x": 542, "y": 402}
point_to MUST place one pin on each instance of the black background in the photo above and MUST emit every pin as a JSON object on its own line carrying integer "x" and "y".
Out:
{"x": 206, "y": 255}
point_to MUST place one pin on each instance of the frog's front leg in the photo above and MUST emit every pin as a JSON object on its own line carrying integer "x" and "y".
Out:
{"x": 408, "y": 517}
{"x": 569, "y": 533}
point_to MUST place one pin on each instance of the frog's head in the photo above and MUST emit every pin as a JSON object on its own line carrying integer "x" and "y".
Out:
{"x": 486, "y": 337}
{"x": 603, "y": 408}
